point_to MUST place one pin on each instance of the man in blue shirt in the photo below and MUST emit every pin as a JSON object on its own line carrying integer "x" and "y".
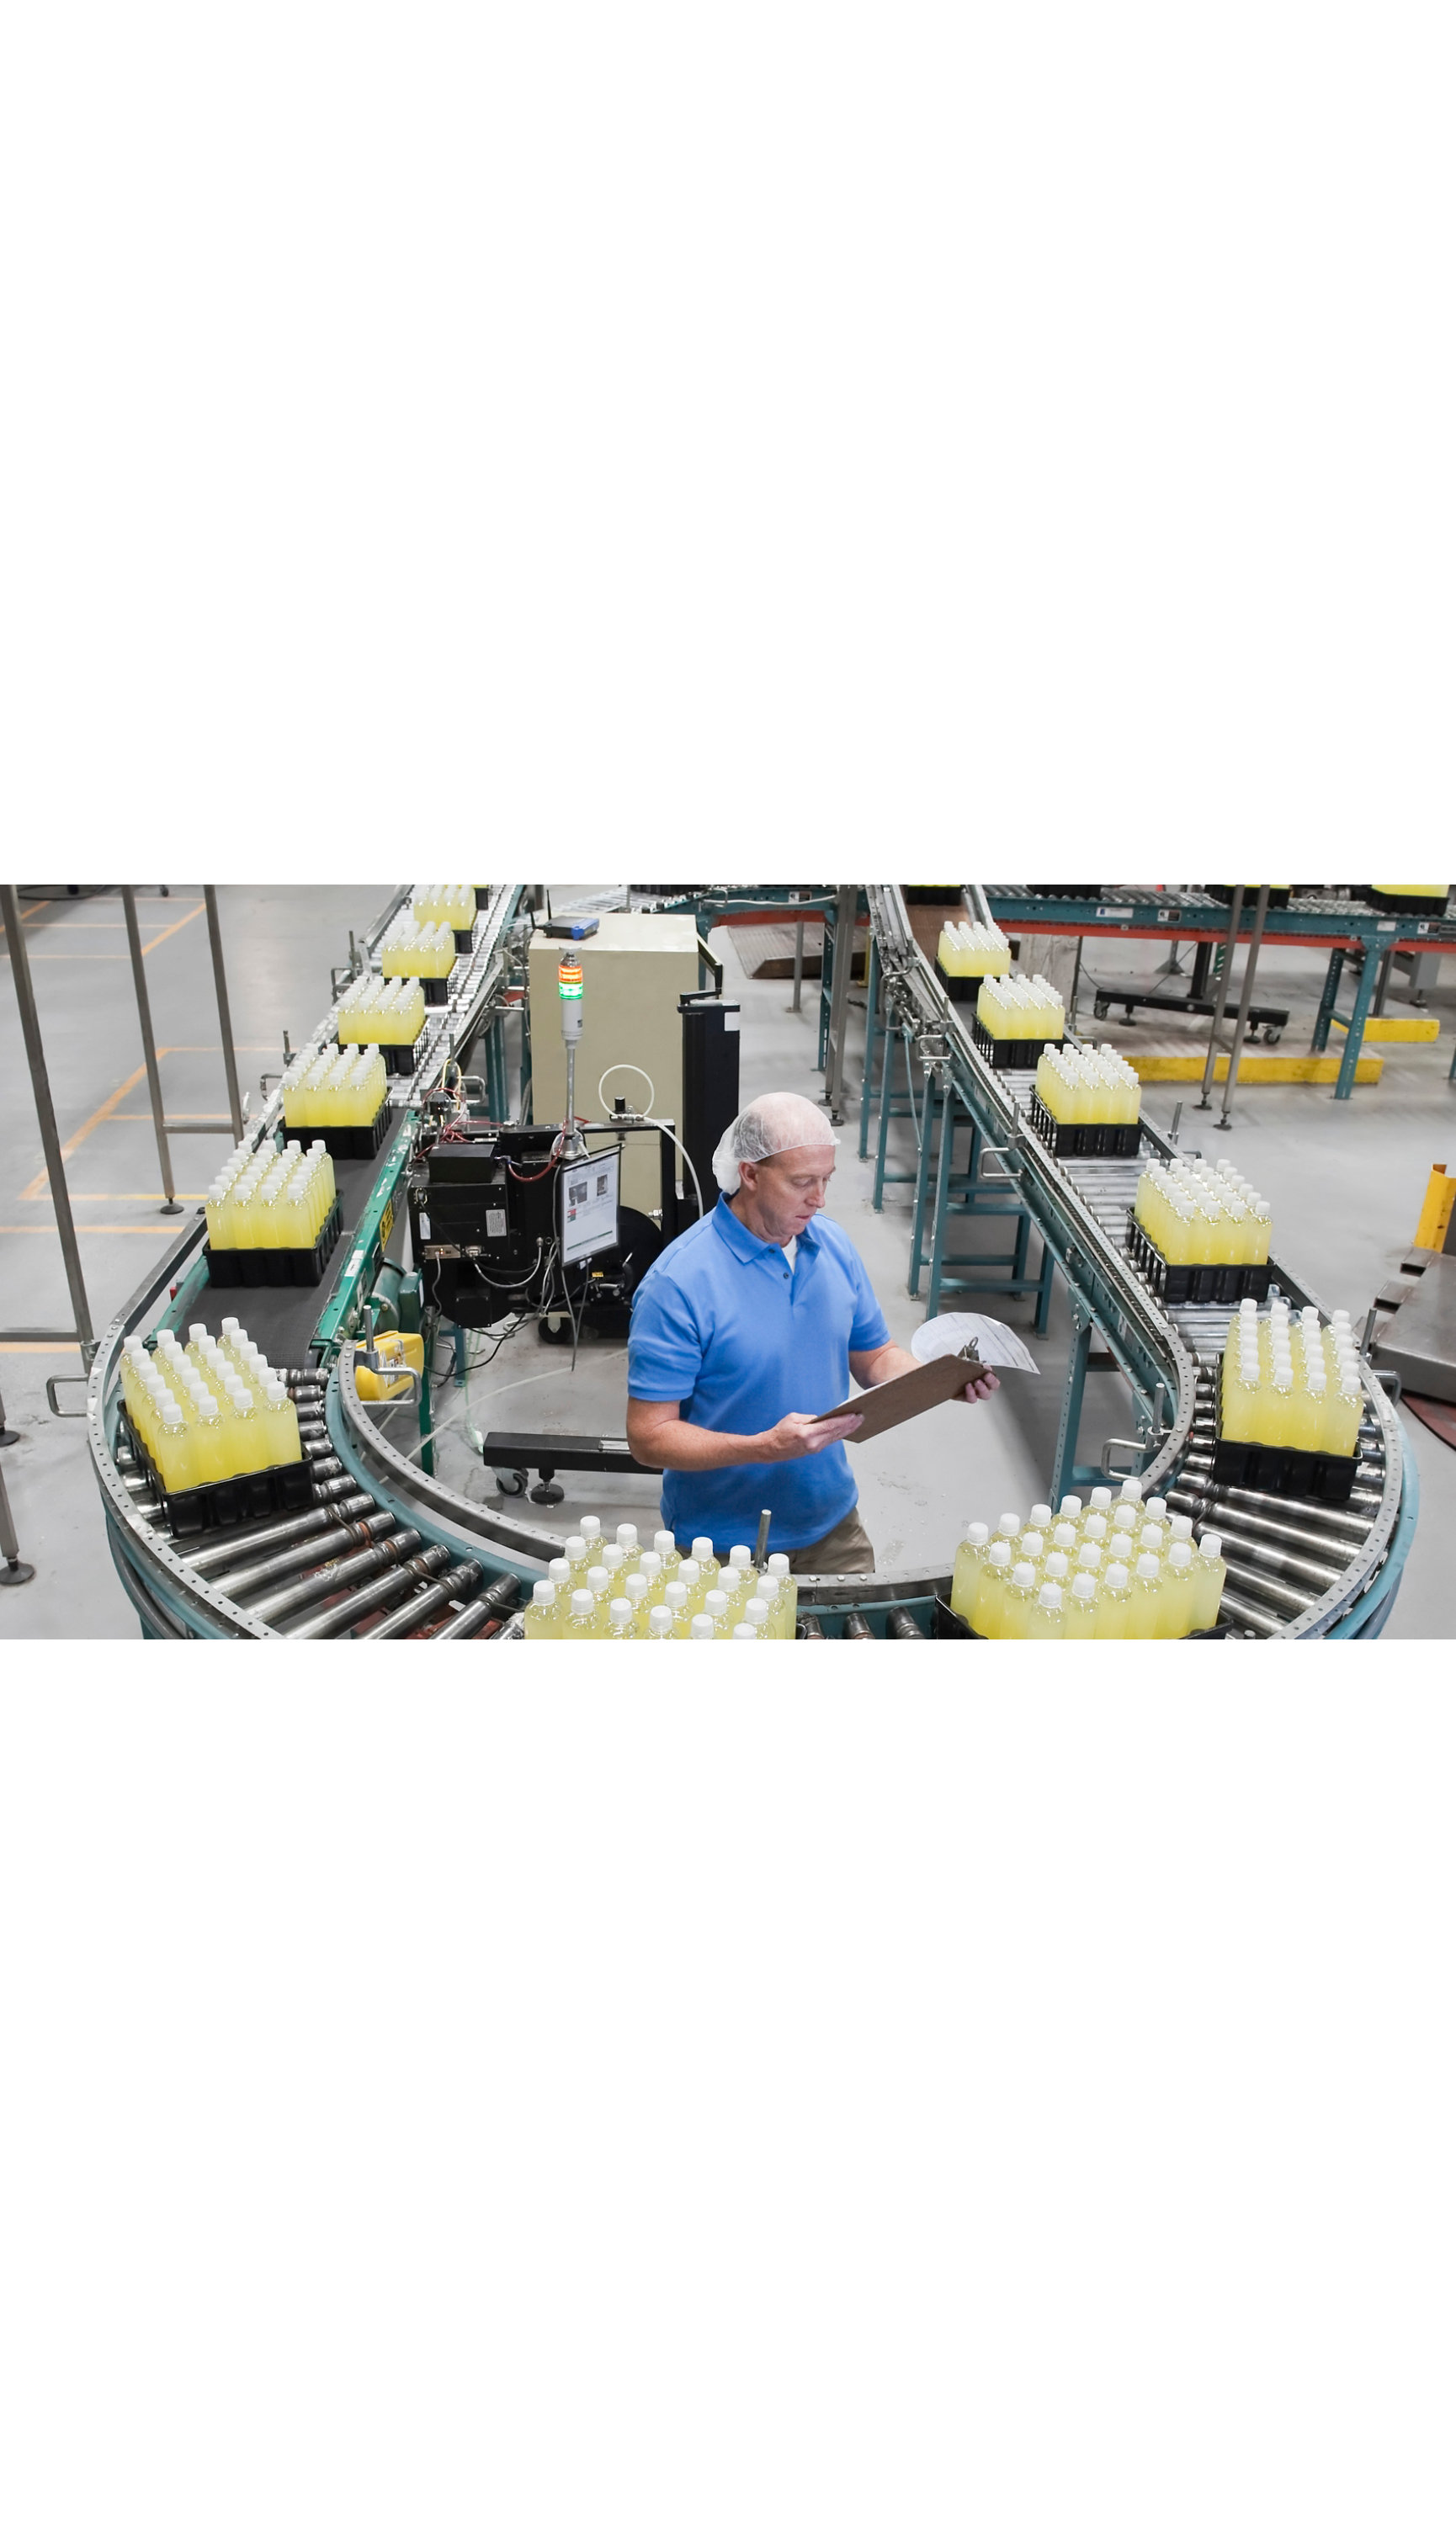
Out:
{"x": 742, "y": 1332}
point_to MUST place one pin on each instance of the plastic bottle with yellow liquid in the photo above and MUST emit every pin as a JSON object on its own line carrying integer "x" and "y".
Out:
{"x": 1019, "y": 1596}
{"x": 1079, "y": 1607}
{"x": 540, "y": 1619}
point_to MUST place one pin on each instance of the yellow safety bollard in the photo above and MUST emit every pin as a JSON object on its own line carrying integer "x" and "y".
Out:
{"x": 1436, "y": 1210}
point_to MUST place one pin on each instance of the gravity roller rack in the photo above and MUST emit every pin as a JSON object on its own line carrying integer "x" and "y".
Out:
{"x": 382, "y": 1531}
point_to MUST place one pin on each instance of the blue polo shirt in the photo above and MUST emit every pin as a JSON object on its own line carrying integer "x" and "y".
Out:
{"x": 724, "y": 1325}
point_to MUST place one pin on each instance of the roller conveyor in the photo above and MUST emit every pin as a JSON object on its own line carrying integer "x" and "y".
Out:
{"x": 387, "y": 1550}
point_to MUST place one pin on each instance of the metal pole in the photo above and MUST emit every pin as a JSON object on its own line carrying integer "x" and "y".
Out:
{"x": 16, "y": 1571}
{"x": 1221, "y": 997}
{"x": 846, "y": 903}
{"x": 1245, "y": 996}
{"x": 172, "y": 1207}
{"x": 229, "y": 1056}
{"x": 798, "y": 965}
{"x": 1388, "y": 967}
{"x": 7, "y": 1437}
{"x": 45, "y": 1114}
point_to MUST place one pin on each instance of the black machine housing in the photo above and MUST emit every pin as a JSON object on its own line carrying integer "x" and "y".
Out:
{"x": 484, "y": 1206}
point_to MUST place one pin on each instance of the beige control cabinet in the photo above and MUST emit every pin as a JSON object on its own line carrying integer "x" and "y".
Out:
{"x": 633, "y": 971}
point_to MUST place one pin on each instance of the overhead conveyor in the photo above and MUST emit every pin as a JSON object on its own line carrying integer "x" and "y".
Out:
{"x": 381, "y": 1530}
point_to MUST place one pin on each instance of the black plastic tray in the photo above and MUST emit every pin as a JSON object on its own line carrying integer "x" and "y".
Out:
{"x": 436, "y": 989}
{"x": 1202, "y": 1284}
{"x": 465, "y": 939}
{"x": 1084, "y": 1138}
{"x": 399, "y": 1058}
{"x": 1287, "y": 1472}
{"x": 1012, "y": 1050}
{"x": 363, "y": 1139}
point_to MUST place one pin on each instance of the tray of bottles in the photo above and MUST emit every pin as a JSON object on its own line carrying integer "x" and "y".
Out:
{"x": 222, "y": 1503}
{"x": 1201, "y": 1284}
{"x": 277, "y": 1266}
{"x": 1084, "y": 1138}
{"x": 1009, "y": 1051}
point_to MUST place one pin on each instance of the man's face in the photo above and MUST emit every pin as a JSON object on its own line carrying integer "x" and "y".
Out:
{"x": 786, "y": 1191}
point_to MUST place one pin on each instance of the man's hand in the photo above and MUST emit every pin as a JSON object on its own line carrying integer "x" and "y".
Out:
{"x": 799, "y": 1432}
{"x": 986, "y": 1384}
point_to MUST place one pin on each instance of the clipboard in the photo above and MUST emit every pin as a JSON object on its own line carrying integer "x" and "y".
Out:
{"x": 905, "y": 1397}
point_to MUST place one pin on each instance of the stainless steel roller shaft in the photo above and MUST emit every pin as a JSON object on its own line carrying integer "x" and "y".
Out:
{"x": 466, "y": 1623}
{"x": 306, "y": 1554}
{"x": 409, "y": 1616}
{"x": 343, "y": 1616}
{"x": 277, "y": 1532}
{"x": 334, "y": 1574}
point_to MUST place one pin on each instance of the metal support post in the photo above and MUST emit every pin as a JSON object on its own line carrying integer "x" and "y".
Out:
{"x": 1070, "y": 1422}
{"x": 1245, "y": 996}
{"x": 7, "y": 1437}
{"x": 14, "y": 1572}
{"x": 45, "y": 1114}
{"x": 866, "y": 1084}
{"x": 427, "y": 1449}
{"x": 922, "y": 1184}
{"x": 1344, "y": 1085}
{"x": 1221, "y": 999}
{"x": 940, "y": 1216}
{"x": 798, "y": 965}
{"x": 171, "y": 1207}
{"x": 1329, "y": 998}
{"x": 1388, "y": 967}
{"x": 845, "y": 905}
{"x": 219, "y": 977}
{"x": 1042, "y": 1320}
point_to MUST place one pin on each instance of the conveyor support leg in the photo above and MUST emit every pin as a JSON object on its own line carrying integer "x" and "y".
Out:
{"x": 1329, "y": 998}
{"x": 1071, "y": 1415}
{"x": 1344, "y": 1085}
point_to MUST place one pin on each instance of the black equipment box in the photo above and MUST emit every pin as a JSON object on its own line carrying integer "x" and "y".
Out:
{"x": 486, "y": 1220}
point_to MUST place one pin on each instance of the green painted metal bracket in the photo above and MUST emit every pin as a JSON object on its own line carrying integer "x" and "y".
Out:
{"x": 344, "y": 1314}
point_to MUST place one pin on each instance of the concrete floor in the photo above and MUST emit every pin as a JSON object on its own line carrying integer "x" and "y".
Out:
{"x": 1346, "y": 1182}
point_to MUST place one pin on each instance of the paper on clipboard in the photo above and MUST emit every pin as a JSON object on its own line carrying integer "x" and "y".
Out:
{"x": 997, "y": 1344}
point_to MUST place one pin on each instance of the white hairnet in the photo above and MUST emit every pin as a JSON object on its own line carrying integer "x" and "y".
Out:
{"x": 765, "y": 1129}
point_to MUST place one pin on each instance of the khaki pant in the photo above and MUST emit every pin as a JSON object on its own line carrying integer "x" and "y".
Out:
{"x": 845, "y": 1551}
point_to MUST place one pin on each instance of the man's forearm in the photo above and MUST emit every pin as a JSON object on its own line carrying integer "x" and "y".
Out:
{"x": 886, "y": 1363}
{"x": 680, "y": 1447}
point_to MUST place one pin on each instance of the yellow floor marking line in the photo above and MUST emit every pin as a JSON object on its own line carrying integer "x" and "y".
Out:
{"x": 39, "y": 1188}
{"x": 162, "y": 934}
{"x": 41, "y": 1349}
{"x": 167, "y": 1229}
{"x": 198, "y": 1198}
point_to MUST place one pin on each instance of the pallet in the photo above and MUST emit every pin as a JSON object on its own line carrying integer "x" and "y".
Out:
{"x": 275, "y": 1266}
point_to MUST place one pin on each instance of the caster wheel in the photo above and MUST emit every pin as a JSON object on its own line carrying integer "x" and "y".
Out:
{"x": 510, "y": 1485}
{"x": 1099, "y": 1009}
{"x": 1273, "y": 1034}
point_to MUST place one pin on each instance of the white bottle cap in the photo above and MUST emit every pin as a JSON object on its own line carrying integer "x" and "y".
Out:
{"x": 634, "y": 1588}
{"x": 1023, "y": 1575}
{"x": 1089, "y": 1557}
{"x": 662, "y": 1543}
{"x": 590, "y": 1528}
{"x": 715, "y": 1604}
{"x": 1084, "y": 1587}
{"x": 675, "y": 1595}
{"x": 978, "y": 1537}
{"x": 1040, "y": 1516}
{"x": 1180, "y": 1556}
{"x": 701, "y": 1627}
{"x": 626, "y": 1536}
{"x": 207, "y": 1408}
{"x": 598, "y": 1579}
{"x": 1009, "y": 1526}
{"x": 1120, "y": 1549}
{"x": 1116, "y": 1579}
{"x": 1000, "y": 1555}
{"x": 613, "y": 1556}
{"x": 659, "y": 1621}
{"x": 1071, "y": 1506}
{"x": 229, "y": 1325}
{"x": 195, "y": 1331}
{"x": 1124, "y": 1517}
{"x": 575, "y": 1548}
{"x": 583, "y": 1603}
{"x": 757, "y": 1614}
{"x": 558, "y": 1571}
{"x": 543, "y": 1593}
{"x": 1211, "y": 1547}
{"x": 171, "y": 1415}
{"x": 1094, "y": 1529}
{"x": 649, "y": 1567}
{"x": 1056, "y": 1566}
{"x": 1181, "y": 1528}
{"x": 1155, "y": 1510}
{"x": 619, "y": 1612}
{"x": 740, "y": 1556}
{"x": 1064, "y": 1538}
{"x": 743, "y": 1630}
{"x": 703, "y": 1550}
{"x": 1131, "y": 1490}
{"x": 1051, "y": 1599}
{"x": 778, "y": 1564}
